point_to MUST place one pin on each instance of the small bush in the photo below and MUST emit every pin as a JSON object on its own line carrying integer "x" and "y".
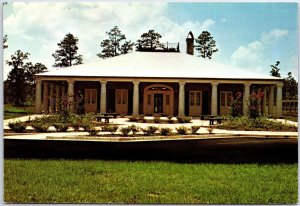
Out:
{"x": 170, "y": 119}
{"x": 187, "y": 119}
{"x": 141, "y": 118}
{"x": 133, "y": 118}
{"x": 182, "y": 130}
{"x": 194, "y": 129}
{"x": 134, "y": 129}
{"x": 110, "y": 128}
{"x": 150, "y": 130}
{"x": 17, "y": 126}
{"x": 156, "y": 118}
{"x": 180, "y": 119}
{"x": 165, "y": 131}
{"x": 91, "y": 129}
{"x": 40, "y": 126}
{"x": 125, "y": 131}
{"x": 61, "y": 127}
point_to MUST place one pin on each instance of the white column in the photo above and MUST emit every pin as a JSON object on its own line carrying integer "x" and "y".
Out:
{"x": 71, "y": 94}
{"x": 246, "y": 96}
{"x": 38, "y": 96}
{"x": 271, "y": 100}
{"x": 279, "y": 100}
{"x": 135, "y": 109}
{"x": 214, "y": 98}
{"x": 103, "y": 97}
{"x": 57, "y": 98}
{"x": 46, "y": 98}
{"x": 264, "y": 106}
{"x": 181, "y": 99}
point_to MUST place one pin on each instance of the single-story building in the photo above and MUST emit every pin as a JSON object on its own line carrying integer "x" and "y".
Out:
{"x": 165, "y": 81}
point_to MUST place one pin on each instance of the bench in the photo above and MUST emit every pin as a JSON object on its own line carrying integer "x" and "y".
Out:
{"x": 206, "y": 117}
{"x": 213, "y": 119}
{"x": 105, "y": 116}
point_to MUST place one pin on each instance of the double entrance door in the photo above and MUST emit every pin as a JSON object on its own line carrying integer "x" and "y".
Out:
{"x": 195, "y": 103}
{"x": 158, "y": 103}
{"x": 121, "y": 101}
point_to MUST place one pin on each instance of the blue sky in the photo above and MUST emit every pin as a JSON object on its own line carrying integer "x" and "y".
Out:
{"x": 251, "y": 36}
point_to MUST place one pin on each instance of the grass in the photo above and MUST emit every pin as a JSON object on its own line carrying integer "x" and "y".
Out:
{"x": 17, "y": 111}
{"x": 97, "y": 181}
{"x": 258, "y": 124}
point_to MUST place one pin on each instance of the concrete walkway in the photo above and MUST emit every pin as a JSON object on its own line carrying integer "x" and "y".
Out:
{"x": 216, "y": 133}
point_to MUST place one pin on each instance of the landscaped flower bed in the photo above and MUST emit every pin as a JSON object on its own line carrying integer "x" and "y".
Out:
{"x": 157, "y": 118}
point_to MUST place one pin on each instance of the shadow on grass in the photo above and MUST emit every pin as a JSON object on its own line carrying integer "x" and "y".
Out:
{"x": 235, "y": 150}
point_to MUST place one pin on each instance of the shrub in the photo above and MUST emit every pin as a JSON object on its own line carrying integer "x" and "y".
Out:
{"x": 61, "y": 127}
{"x": 112, "y": 128}
{"x": 91, "y": 129}
{"x": 133, "y": 118}
{"x": 150, "y": 130}
{"x": 236, "y": 105}
{"x": 125, "y": 130}
{"x": 156, "y": 118}
{"x": 254, "y": 104}
{"x": 17, "y": 126}
{"x": 180, "y": 119}
{"x": 170, "y": 119}
{"x": 187, "y": 119}
{"x": 182, "y": 130}
{"x": 195, "y": 128}
{"x": 165, "y": 131}
{"x": 134, "y": 129}
{"x": 141, "y": 118}
{"x": 40, "y": 126}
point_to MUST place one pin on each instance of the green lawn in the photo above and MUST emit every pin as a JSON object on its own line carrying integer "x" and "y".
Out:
{"x": 17, "y": 111}
{"x": 97, "y": 181}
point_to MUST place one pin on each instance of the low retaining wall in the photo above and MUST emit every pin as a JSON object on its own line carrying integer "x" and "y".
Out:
{"x": 221, "y": 150}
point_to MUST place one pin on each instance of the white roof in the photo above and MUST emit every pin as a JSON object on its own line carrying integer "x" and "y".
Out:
{"x": 157, "y": 65}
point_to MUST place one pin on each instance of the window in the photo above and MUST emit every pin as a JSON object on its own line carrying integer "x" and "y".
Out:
{"x": 198, "y": 100}
{"x": 124, "y": 97}
{"x": 192, "y": 98}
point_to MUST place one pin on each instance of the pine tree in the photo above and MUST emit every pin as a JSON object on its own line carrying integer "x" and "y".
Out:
{"x": 275, "y": 69}
{"x": 112, "y": 46}
{"x": 20, "y": 84}
{"x": 290, "y": 87}
{"x": 16, "y": 77}
{"x": 206, "y": 45}
{"x": 5, "y": 41}
{"x": 149, "y": 41}
{"x": 67, "y": 55}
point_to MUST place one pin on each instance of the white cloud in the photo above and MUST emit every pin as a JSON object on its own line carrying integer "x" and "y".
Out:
{"x": 248, "y": 55}
{"x": 273, "y": 35}
{"x": 253, "y": 55}
{"x": 38, "y": 27}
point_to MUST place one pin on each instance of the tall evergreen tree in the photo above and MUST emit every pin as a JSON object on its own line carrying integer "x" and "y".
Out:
{"x": 290, "y": 87}
{"x": 5, "y": 41}
{"x": 112, "y": 46}
{"x": 16, "y": 77}
{"x": 67, "y": 55}
{"x": 127, "y": 47}
{"x": 206, "y": 45}
{"x": 275, "y": 69}
{"x": 149, "y": 40}
{"x": 20, "y": 83}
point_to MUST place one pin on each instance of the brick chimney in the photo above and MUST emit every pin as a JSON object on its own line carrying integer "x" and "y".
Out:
{"x": 190, "y": 43}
